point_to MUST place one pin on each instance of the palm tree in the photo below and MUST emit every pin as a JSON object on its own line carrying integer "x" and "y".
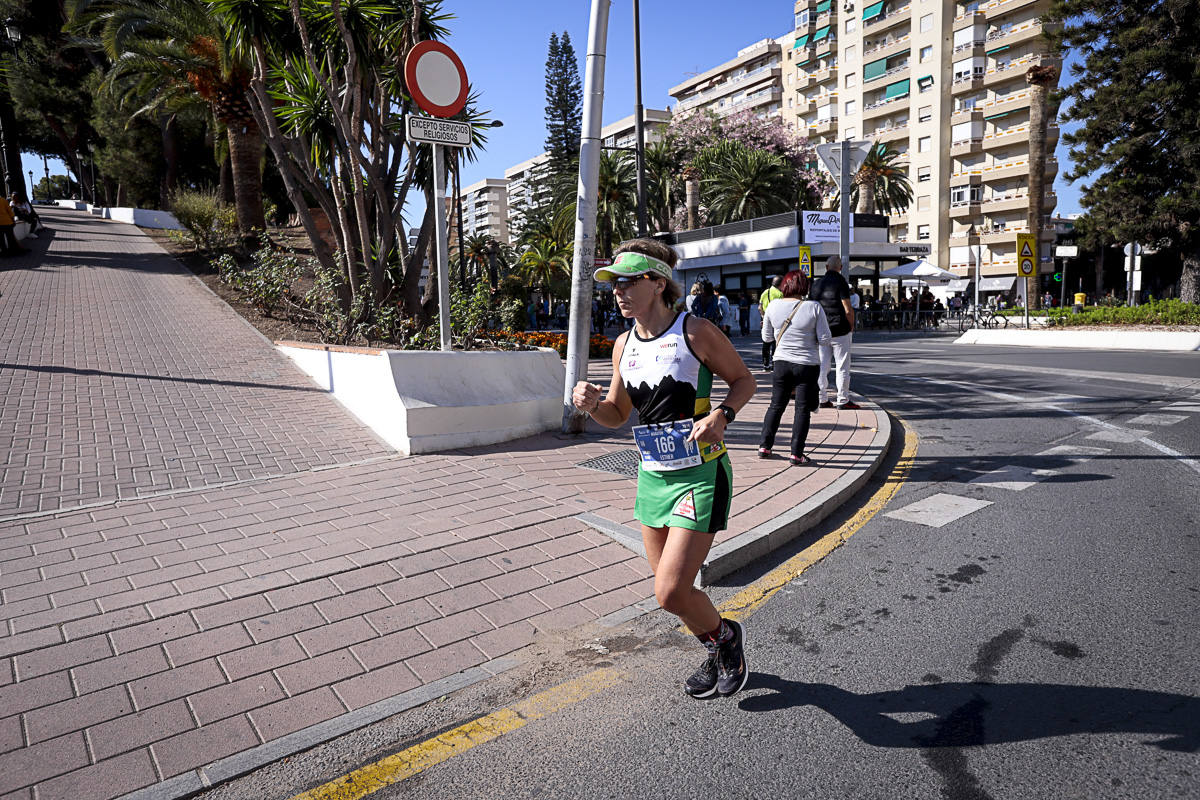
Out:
{"x": 740, "y": 183}
{"x": 162, "y": 50}
{"x": 881, "y": 185}
{"x": 617, "y": 200}
{"x": 660, "y": 170}
{"x": 544, "y": 260}
{"x": 1040, "y": 78}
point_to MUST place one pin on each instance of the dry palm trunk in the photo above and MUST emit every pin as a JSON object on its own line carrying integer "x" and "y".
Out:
{"x": 1040, "y": 79}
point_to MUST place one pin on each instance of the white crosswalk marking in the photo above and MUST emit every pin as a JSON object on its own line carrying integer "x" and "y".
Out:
{"x": 1192, "y": 407}
{"x": 1014, "y": 477}
{"x": 1157, "y": 419}
{"x": 938, "y": 510}
{"x": 1076, "y": 452}
{"x": 1126, "y": 435}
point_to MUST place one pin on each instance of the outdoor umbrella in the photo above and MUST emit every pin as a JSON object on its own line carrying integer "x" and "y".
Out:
{"x": 922, "y": 270}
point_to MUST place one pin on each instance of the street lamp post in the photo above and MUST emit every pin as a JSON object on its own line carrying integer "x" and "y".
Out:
{"x": 638, "y": 125}
{"x": 79, "y": 174}
{"x": 13, "y": 34}
{"x": 975, "y": 258}
{"x": 31, "y": 198}
{"x": 49, "y": 189}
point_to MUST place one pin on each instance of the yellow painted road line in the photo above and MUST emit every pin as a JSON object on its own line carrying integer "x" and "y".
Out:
{"x": 395, "y": 768}
{"x": 745, "y": 602}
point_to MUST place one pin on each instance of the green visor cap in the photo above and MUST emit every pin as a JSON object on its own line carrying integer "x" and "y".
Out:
{"x": 628, "y": 264}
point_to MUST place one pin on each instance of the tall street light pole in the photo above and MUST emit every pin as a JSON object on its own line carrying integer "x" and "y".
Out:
{"x": 638, "y": 124}
{"x": 49, "y": 190}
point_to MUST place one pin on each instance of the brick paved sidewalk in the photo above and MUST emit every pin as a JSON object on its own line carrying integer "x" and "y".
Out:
{"x": 161, "y": 624}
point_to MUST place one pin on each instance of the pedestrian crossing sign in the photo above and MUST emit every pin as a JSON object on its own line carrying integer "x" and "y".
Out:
{"x": 806, "y": 260}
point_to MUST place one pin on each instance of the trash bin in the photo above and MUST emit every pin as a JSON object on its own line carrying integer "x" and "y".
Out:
{"x": 1080, "y": 299}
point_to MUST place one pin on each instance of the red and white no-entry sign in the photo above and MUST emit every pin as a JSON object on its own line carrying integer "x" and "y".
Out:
{"x": 436, "y": 79}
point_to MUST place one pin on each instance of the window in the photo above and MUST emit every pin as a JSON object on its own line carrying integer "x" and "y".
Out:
{"x": 923, "y": 202}
{"x": 926, "y": 52}
{"x": 802, "y": 19}
{"x": 927, "y": 23}
{"x": 851, "y": 25}
{"x": 851, "y": 132}
{"x": 925, "y": 84}
{"x": 849, "y": 53}
{"x": 922, "y": 233}
{"x": 851, "y": 107}
{"x": 923, "y": 174}
{"x": 924, "y": 113}
{"x": 851, "y": 79}
{"x": 789, "y": 102}
{"x": 962, "y": 195}
{"x": 924, "y": 144}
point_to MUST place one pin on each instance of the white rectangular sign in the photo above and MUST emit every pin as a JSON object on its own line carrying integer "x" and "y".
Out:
{"x": 1066, "y": 251}
{"x": 439, "y": 131}
{"x": 823, "y": 226}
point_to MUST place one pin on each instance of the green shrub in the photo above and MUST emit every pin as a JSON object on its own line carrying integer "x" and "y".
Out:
{"x": 1156, "y": 312}
{"x": 208, "y": 223}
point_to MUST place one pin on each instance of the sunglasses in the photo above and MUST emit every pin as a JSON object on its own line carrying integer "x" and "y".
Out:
{"x": 626, "y": 282}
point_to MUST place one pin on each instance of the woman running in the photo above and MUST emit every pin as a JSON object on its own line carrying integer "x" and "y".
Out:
{"x": 664, "y": 368}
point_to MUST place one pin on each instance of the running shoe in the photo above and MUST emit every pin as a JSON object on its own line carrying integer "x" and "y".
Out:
{"x": 732, "y": 670}
{"x": 703, "y": 682}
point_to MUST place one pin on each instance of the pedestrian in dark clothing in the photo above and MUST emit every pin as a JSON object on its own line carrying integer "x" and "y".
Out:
{"x": 833, "y": 293}
{"x": 743, "y": 305}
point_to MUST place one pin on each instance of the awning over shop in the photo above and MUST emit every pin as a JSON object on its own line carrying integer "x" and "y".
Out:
{"x": 801, "y": 42}
{"x": 897, "y": 89}
{"x": 823, "y": 6}
{"x": 820, "y": 34}
{"x": 997, "y": 284}
{"x": 873, "y": 10}
{"x": 959, "y": 285}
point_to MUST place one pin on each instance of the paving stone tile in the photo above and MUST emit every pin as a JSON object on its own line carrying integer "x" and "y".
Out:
{"x": 243, "y": 608}
{"x": 365, "y": 577}
{"x": 61, "y": 657}
{"x": 43, "y": 760}
{"x": 284, "y": 623}
{"x": 110, "y": 778}
{"x": 511, "y": 609}
{"x": 28, "y": 641}
{"x": 154, "y": 632}
{"x": 521, "y": 580}
{"x": 77, "y": 713}
{"x": 203, "y": 745}
{"x": 406, "y": 589}
{"x": 208, "y": 643}
{"x": 461, "y": 598}
{"x": 178, "y": 682}
{"x": 326, "y": 669}
{"x": 376, "y": 685}
{"x": 35, "y": 693}
{"x": 260, "y": 657}
{"x": 118, "y": 669}
{"x": 134, "y": 730}
{"x": 443, "y": 661}
{"x": 296, "y": 713}
{"x": 103, "y": 623}
{"x": 454, "y": 628}
{"x": 390, "y": 648}
{"x": 228, "y": 699}
{"x": 11, "y": 736}
{"x": 561, "y": 569}
{"x": 336, "y": 635}
{"x": 404, "y": 615}
{"x": 505, "y": 640}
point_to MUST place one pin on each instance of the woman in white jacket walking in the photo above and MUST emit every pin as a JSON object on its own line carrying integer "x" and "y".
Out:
{"x": 798, "y": 327}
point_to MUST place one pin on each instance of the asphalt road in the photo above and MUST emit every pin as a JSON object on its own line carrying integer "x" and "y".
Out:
{"x": 1017, "y": 622}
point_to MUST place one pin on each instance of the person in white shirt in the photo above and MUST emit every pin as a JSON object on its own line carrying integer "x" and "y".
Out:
{"x": 799, "y": 329}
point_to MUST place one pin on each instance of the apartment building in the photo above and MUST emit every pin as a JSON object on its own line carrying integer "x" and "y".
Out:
{"x": 485, "y": 209}
{"x": 750, "y": 82}
{"x": 943, "y": 83}
{"x": 524, "y": 182}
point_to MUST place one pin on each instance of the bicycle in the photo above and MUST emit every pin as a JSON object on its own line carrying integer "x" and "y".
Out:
{"x": 981, "y": 318}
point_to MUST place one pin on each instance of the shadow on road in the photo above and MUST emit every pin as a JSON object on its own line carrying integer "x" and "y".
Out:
{"x": 973, "y": 714}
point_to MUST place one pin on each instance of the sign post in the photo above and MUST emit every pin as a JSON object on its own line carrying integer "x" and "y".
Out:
{"x": 1133, "y": 275}
{"x": 843, "y": 159}
{"x": 1026, "y": 266}
{"x": 437, "y": 81}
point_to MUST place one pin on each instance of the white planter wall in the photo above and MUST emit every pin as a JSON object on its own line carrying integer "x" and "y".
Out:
{"x": 427, "y": 401}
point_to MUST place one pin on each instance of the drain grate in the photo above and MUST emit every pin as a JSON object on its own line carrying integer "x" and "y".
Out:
{"x": 622, "y": 462}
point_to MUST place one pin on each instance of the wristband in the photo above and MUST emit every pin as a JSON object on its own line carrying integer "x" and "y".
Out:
{"x": 728, "y": 412}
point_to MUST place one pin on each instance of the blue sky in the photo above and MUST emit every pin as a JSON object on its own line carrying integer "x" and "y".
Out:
{"x": 503, "y": 45}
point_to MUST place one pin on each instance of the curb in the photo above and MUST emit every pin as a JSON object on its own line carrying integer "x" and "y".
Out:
{"x": 1102, "y": 339}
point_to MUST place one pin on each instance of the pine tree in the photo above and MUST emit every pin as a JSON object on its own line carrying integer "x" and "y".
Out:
{"x": 564, "y": 107}
{"x": 1138, "y": 146}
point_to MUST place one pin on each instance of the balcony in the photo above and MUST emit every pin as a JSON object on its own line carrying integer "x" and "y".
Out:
{"x": 752, "y": 100}
{"x": 889, "y": 20}
{"x": 883, "y": 107}
{"x": 998, "y": 8}
{"x": 968, "y": 19}
{"x": 1015, "y": 68}
{"x": 1016, "y": 201}
{"x": 888, "y": 48}
{"x": 1018, "y": 134}
{"x": 897, "y": 73}
{"x": 964, "y": 209}
{"x": 966, "y": 115}
{"x": 894, "y": 133}
{"x": 966, "y": 82}
{"x": 974, "y": 48}
{"x": 765, "y": 72}
{"x": 823, "y": 127}
{"x": 1013, "y": 35}
{"x": 1012, "y": 101}
{"x": 819, "y": 77}
{"x": 966, "y": 147}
